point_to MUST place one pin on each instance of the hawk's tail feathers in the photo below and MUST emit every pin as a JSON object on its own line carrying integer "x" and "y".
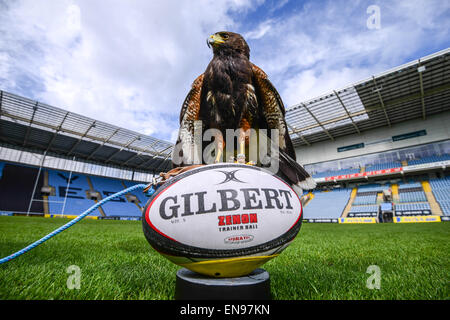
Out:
{"x": 297, "y": 175}
{"x": 307, "y": 184}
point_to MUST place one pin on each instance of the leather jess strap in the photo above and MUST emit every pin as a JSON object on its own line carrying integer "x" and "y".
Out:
{"x": 170, "y": 174}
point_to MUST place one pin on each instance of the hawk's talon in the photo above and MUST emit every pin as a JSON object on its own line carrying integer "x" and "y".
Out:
{"x": 241, "y": 158}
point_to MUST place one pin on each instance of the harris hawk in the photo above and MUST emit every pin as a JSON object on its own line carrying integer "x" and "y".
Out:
{"x": 233, "y": 93}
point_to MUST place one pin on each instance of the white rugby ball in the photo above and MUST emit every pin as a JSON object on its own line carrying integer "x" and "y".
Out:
{"x": 222, "y": 220}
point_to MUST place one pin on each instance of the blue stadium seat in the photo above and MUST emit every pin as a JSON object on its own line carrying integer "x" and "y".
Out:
{"x": 138, "y": 193}
{"x": 441, "y": 192}
{"x": 327, "y": 205}
{"x": 383, "y": 166}
{"x": 335, "y": 173}
{"x": 370, "y": 199}
{"x": 414, "y": 196}
{"x": 412, "y": 208}
{"x": 443, "y": 157}
{"x": 363, "y": 211}
{"x": 76, "y": 201}
{"x": 373, "y": 187}
{"x": 119, "y": 207}
{"x": 409, "y": 185}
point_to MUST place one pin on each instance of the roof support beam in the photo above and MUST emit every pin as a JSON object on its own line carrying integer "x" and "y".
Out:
{"x": 7, "y": 98}
{"x": 1, "y": 102}
{"x": 318, "y": 122}
{"x": 29, "y": 126}
{"x": 354, "y": 114}
{"x": 145, "y": 150}
{"x": 103, "y": 143}
{"x": 55, "y": 134}
{"x": 422, "y": 94}
{"x": 123, "y": 147}
{"x": 147, "y": 163}
{"x": 381, "y": 101}
{"x": 81, "y": 138}
{"x": 162, "y": 151}
{"x": 152, "y": 145}
{"x": 162, "y": 162}
{"x": 298, "y": 134}
{"x": 346, "y": 111}
{"x": 391, "y": 104}
{"x": 144, "y": 164}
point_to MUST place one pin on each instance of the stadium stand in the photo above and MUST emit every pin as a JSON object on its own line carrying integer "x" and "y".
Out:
{"x": 413, "y": 209}
{"x": 68, "y": 196}
{"x": 414, "y": 196}
{"x": 443, "y": 157}
{"x": 369, "y": 199}
{"x": 335, "y": 173}
{"x": 119, "y": 207}
{"x": 139, "y": 194}
{"x": 383, "y": 166}
{"x": 76, "y": 201}
{"x": 441, "y": 192}
{"x": 36, "y": 135}
{"x": 373, "y": 188}
{"x": 363, "y": 211}
{"x": 409, "y": 185}
{"x": 327, "y": 205}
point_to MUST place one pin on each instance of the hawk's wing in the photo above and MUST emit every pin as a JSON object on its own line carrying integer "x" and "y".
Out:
{"x": 273, "y": 109}
{"x": 273, "y": 112}
{"x": 183, "y": 153}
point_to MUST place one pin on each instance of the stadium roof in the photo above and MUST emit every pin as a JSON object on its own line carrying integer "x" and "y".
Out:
{"x": 413, "y": 90}
{"x": 31, "y": 124}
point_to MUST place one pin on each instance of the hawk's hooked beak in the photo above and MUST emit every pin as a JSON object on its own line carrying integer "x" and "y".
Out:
{"x": 214, "y": 40}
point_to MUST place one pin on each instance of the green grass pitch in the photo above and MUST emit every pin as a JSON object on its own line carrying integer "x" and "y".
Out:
{"x": 325, "y": 261}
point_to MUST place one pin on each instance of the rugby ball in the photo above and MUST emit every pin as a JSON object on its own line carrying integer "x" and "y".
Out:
{"x": 222, "y": 220}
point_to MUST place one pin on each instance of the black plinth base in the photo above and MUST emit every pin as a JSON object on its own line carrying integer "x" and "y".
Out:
{"x": 194, "y": 286}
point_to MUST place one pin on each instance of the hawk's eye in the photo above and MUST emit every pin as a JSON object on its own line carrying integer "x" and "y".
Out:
{"x": 224, "y": 36}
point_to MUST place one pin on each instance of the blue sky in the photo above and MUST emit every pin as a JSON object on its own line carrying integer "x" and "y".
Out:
{"x": 131, "y": 63}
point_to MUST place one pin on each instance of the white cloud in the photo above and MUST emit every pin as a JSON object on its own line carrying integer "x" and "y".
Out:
{"x": 262, "y": 29}
{"x": 127, "y": 63}
{"x": 328, "y": 46}
{"x": 131, "y": 63}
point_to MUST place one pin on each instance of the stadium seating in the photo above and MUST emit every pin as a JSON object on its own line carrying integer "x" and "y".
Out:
{"x": 414, "y": 196}
{"x": 369, "y": 199}
{"x": 429, "y": 159}
{"x": 440, "y": 183}
{"x": 441, "y": 192}
{"x": 409, "y": 185}
{"x": 373, "y": 188}
{"x": 118, "y": 207}
{"x": 327, "y": 205}
{"x": 138, "y": 193}
{"x": 445, "y": 207}
{"x": 363, "y": 211}
{"x": 76, "y": 201}
{"x": 335, "y": 173}
{"x": 383, "y": 166}
{"x": 17, "y": 184}
{"x": 413, "y": 208}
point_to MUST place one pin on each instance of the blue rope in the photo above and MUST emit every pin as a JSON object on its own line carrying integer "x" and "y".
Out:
{"x": 70, "y": 223}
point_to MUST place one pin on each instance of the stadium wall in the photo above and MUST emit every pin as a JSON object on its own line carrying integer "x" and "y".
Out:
{"x": 377, "y": 140}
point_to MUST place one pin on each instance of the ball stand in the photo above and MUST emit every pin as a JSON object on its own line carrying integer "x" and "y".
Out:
{"x": 193, "y": 286}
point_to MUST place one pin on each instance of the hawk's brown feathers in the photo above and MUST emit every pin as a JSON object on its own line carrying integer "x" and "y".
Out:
{"x": 234, "y": 93}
